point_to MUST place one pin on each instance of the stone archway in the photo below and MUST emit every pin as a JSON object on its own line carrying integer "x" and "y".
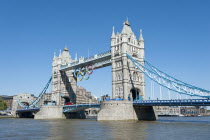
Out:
{"x": 25, "y": 103}
{"x": 67, "y": 99}
{"x": 135, "y": 93}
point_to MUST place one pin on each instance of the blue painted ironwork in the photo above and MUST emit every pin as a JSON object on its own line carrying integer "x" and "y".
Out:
{"x": 78, "y": 107}
{"x": 184, "y": 102}
{"x": 169, "y": 82}
{"x": 28, "y": 110}
{"x": 34, "y": 103}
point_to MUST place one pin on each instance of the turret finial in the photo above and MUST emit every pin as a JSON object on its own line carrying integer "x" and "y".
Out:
{"x": 54, "y": 56}
{"x": 60, "y": 54}
{"x": 65, "y": 48}
{"x": 127, "y": 22}
{"x": 76, "y": 56}
{"x": 141, "y": 36}
{"x": 113, "y": 33}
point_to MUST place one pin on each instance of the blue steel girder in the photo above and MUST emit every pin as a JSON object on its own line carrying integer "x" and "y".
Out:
{"x": 34, "y": 103}
{"x": 28, "y": 110}
{"x": 79, "y": 107}
{"x": 185, "y": 102}
{"x": 97, "y": 61}
{"x": 169, "y": 82}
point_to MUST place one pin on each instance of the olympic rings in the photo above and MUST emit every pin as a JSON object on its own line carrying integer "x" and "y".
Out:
{"x": 86, "y": 78}
{"x": 80, "y": 73}
{"x": 76, "y": 72}
{"x": 87, "y": 69}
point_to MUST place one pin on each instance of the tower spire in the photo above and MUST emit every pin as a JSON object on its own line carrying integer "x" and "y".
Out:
{"x": 127, "y": 22}
{"x": 65, "y": 48}
{"x": 54, "y": 56}
{"x": 76, "y": 56}
{"x": 141, "y": 36}
{"x": 60, "y": 54}
{"x": 113, "y": 33}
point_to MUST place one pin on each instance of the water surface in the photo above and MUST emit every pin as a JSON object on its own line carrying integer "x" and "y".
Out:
{"x": 166, "y": 128}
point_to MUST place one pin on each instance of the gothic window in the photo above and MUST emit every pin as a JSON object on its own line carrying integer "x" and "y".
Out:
{"x": 140, "y": 78}
{"x": 121, "y": 91}
{"x": 120, "y": 76}
{"x": 134, "y": 76}
{"x": 116, "y": 91}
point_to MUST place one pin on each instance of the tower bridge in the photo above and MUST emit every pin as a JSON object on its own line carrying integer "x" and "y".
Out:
{"x": 126, "y": 56}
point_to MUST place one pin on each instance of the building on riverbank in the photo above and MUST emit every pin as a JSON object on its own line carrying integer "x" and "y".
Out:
{"x": 168, "y": 110}
{"x": 8, "y": 100}
{"x": 181, "y": 111}
{"x": 85, "y": 97}
{"x": 194, "y": 111}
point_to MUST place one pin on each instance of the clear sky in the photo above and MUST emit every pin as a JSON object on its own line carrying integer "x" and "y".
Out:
{"x": 176, "y": 33}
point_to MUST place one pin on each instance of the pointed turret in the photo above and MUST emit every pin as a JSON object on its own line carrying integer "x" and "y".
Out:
{"x": 76, "y": 57}
{"x": 54, "y": 58}
{"x": 66, "y": 57}
{"x": 65, "y": 48}
{"x": 141, "y": 36}
{"x": 113, "y": 37}
{"x": 127, "y": 22}
{"x": 59, "y": 54}
{"x": 126, "y": 28}
{"x": 113, "y": 33}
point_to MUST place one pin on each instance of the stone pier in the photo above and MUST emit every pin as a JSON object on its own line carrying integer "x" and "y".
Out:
{"x": 50, "y": 112}
{"x": 124, "y": 110}
{"x": 56, "y": 112}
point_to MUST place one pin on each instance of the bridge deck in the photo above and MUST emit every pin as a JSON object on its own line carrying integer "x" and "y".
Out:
{"x": 28, "y": 110}
{"x": 187, "y": 102}
{"x": 79, "y": 107}
{"x": 98, "y": 61}
{"x": 76, "y": 108}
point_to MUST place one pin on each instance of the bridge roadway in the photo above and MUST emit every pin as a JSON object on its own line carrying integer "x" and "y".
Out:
{"x": 185, "y": 102}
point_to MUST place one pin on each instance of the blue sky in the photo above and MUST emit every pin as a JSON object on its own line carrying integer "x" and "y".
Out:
{"x": 176, "y": 33}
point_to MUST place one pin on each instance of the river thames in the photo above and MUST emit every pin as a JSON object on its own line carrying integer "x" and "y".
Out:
{"x": 166, "y": 128}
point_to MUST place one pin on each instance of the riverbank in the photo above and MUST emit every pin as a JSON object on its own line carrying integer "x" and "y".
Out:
{"x": 3, "y": 116}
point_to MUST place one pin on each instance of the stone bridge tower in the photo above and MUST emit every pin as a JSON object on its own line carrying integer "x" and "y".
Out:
{"x": 63, "y": 83}
{"x": 127, "y": 81}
